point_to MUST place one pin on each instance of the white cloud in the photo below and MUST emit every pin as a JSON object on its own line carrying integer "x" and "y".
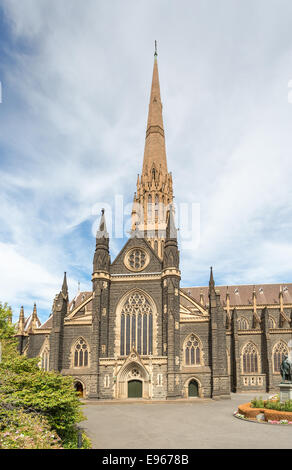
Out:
{"x": 76, "y": 86}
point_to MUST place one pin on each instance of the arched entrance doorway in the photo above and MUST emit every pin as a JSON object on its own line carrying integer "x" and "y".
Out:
{"x": 79, "y": 389}
{"x": 135, "y": 389}
{"x": 193, "y": 388}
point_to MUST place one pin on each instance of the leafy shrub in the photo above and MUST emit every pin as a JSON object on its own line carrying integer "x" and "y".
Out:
{"x": 277, "y": 405}
{"x": 22, "y": 430}
{"x": 273, "y": 404}
{"x": 23, "y": 384}
{"x": 257, "y": 403}
{"x": 34, "y": 401}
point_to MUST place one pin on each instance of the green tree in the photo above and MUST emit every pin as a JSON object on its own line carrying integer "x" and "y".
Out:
{"x": 7, "y": 330}
{"x": 24, "y": 386}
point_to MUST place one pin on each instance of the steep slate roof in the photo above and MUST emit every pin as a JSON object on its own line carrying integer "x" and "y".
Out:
{"x": 240, "y": 295}
{"x": 266, "y": 294}
{"x": 48, "y": 324}
{"x": 78, "y": 300}
{"x": 27, "y": 322}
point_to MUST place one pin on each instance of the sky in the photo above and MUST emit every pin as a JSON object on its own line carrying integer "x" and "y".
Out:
{"x": 75, "y": 80}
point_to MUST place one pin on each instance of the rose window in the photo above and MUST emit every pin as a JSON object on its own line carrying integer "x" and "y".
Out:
{"x": 136, "y": 259}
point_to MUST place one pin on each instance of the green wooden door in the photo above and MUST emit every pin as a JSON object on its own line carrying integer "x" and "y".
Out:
{"x": 193, "y": 389}
{"x": 135, "y": 389}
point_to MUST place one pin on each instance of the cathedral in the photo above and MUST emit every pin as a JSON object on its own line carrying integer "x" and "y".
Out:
{"x": 138, "y": 334}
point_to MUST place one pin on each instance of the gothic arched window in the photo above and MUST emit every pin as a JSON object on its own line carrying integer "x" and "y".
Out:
{"x": 242, "y": 323}
{"x": 45, "y": 358}
{"x": 250, "y": 359}
{"x": 136, "y": 325}
{"x": 81, "y": 354}
{"x": 192, "y": 351}
{"x": 279, "y": 351}
{"x": 272, "y": 323}
{"x": 156, "y": 206}
{"x": 149, "y": 207}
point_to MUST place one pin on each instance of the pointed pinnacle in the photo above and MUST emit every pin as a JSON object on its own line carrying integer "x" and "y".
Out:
{"x": 171, "y": 231}
{"x": 211, "y": 282}
{"x": 65, "y": 285}
{"x": 102, "y": 231}
{"x": 21, "y": 314}
{"x": 155, "y": 53}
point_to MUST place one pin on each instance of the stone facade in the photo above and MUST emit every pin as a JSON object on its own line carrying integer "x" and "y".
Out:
{"x": 138, "y": 333}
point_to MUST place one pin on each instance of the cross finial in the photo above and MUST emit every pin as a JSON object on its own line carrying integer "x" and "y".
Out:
{"x": 155, "y": 53}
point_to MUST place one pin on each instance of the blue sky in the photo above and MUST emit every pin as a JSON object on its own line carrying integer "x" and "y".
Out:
{"x": 76, "y": 82}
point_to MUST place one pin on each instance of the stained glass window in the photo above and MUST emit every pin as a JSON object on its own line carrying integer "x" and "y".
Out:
{"x": 280, "y": 350}
{"x": 137, "y": 259}
{"x": 81, "y": 354}
{"x": 137, "y": 332}
{"x": 192, "y": 351}
{"x": 250, "y": 359}
{"x": 45, "y": 359}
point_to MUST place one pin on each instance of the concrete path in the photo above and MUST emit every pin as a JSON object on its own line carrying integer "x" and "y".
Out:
{"x": 198, "y": 424}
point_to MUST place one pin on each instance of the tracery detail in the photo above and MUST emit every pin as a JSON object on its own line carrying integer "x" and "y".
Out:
{"x": 81, "y": 353}
{"x": 279, "y": 351}
{"x": 250, "y": 359}
{"x": 192, "y": 351}
{"x": 136, "y": 325}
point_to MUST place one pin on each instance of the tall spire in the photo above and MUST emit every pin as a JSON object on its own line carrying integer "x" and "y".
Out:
{"x": 155, "y": 153}
{"x": 154, "y": 187}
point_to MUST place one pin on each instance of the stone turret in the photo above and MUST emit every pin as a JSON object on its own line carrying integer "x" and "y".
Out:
{"x": 100, "y": 302}
{"x": 59, "y": 311}
{"x": 220, "y": 380}
{"x": 171, "y": 302}
{"x": 101, "y": 258}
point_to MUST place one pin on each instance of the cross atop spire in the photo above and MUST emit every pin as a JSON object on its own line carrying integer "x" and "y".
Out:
{"x": 155, "y": 53}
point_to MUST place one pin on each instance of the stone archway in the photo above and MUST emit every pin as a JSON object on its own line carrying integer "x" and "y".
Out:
{"x": 193, "y": 389}
{"x": 134, "y": 373}
{"x": 79, "y": 387}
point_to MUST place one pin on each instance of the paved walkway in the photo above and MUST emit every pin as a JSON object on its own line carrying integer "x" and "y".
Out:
{"x": 199, "y": 424}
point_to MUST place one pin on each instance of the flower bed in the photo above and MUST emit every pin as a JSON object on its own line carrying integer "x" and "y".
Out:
{"x": 275, "y": 416}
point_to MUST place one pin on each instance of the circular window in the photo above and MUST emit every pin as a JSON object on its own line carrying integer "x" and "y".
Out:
{"x": 136, "y": 259}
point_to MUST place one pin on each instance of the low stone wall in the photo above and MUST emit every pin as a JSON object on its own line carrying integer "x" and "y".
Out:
{"x": 272, "y": 415}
